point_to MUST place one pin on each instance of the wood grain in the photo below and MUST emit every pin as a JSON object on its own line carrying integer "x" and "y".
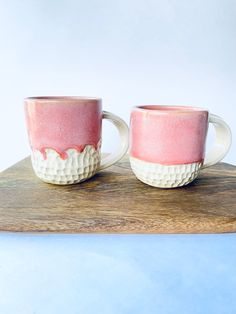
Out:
{"x": 114, "y": 201}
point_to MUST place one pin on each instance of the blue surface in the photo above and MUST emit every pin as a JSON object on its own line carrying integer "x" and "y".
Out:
{"x": 104, "y": 274}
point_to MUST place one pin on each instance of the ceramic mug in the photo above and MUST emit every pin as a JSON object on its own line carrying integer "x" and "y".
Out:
{"x": 167, "y": 143}
{"x": 65, "y": 137}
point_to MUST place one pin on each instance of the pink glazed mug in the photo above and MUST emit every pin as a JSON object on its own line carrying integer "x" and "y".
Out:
{"x": 168, "y": 143}
{"x": 65, "y": 137}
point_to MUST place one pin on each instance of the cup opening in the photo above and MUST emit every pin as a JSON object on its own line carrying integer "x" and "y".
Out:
{"x": 62, "y": 98}
{"x": 168, "y": 109}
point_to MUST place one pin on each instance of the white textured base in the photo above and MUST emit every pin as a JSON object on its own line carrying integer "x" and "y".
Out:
{"x": 164, "y": 176}
{"x": 75, "y": 168}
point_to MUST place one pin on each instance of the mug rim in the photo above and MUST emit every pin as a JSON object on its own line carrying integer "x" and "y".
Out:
{"x": 61, "y": 98}
{"x": 168, "y": 109}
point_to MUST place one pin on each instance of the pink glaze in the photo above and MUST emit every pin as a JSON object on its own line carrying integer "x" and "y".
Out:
{"x": 61, "y": 123}
{"x": 168, "y": 135}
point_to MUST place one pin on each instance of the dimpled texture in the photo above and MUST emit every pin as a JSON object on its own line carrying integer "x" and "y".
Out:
{"x": 165, "y": 176}
{"x": 77, "y": 167}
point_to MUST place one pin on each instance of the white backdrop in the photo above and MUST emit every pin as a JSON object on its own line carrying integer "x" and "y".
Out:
{"x": 128, "y": 52}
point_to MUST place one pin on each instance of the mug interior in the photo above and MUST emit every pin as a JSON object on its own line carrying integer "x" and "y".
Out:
{"x": 167, "y": 108}
{"x": 62, "y": 98}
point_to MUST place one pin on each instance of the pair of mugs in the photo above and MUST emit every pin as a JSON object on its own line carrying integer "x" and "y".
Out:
{"x": 167, "y": 143}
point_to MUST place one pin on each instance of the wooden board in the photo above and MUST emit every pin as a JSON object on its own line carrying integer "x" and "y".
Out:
{"x": 114, "y": 201}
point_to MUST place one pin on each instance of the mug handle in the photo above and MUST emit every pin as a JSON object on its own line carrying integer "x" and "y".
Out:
{"x": 124, "y": 140}
{"x": 223, "y": 141}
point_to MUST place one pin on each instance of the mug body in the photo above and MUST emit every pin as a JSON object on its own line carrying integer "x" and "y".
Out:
{"x": 65, "y": 137}
{"x": 167, "y": 144}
